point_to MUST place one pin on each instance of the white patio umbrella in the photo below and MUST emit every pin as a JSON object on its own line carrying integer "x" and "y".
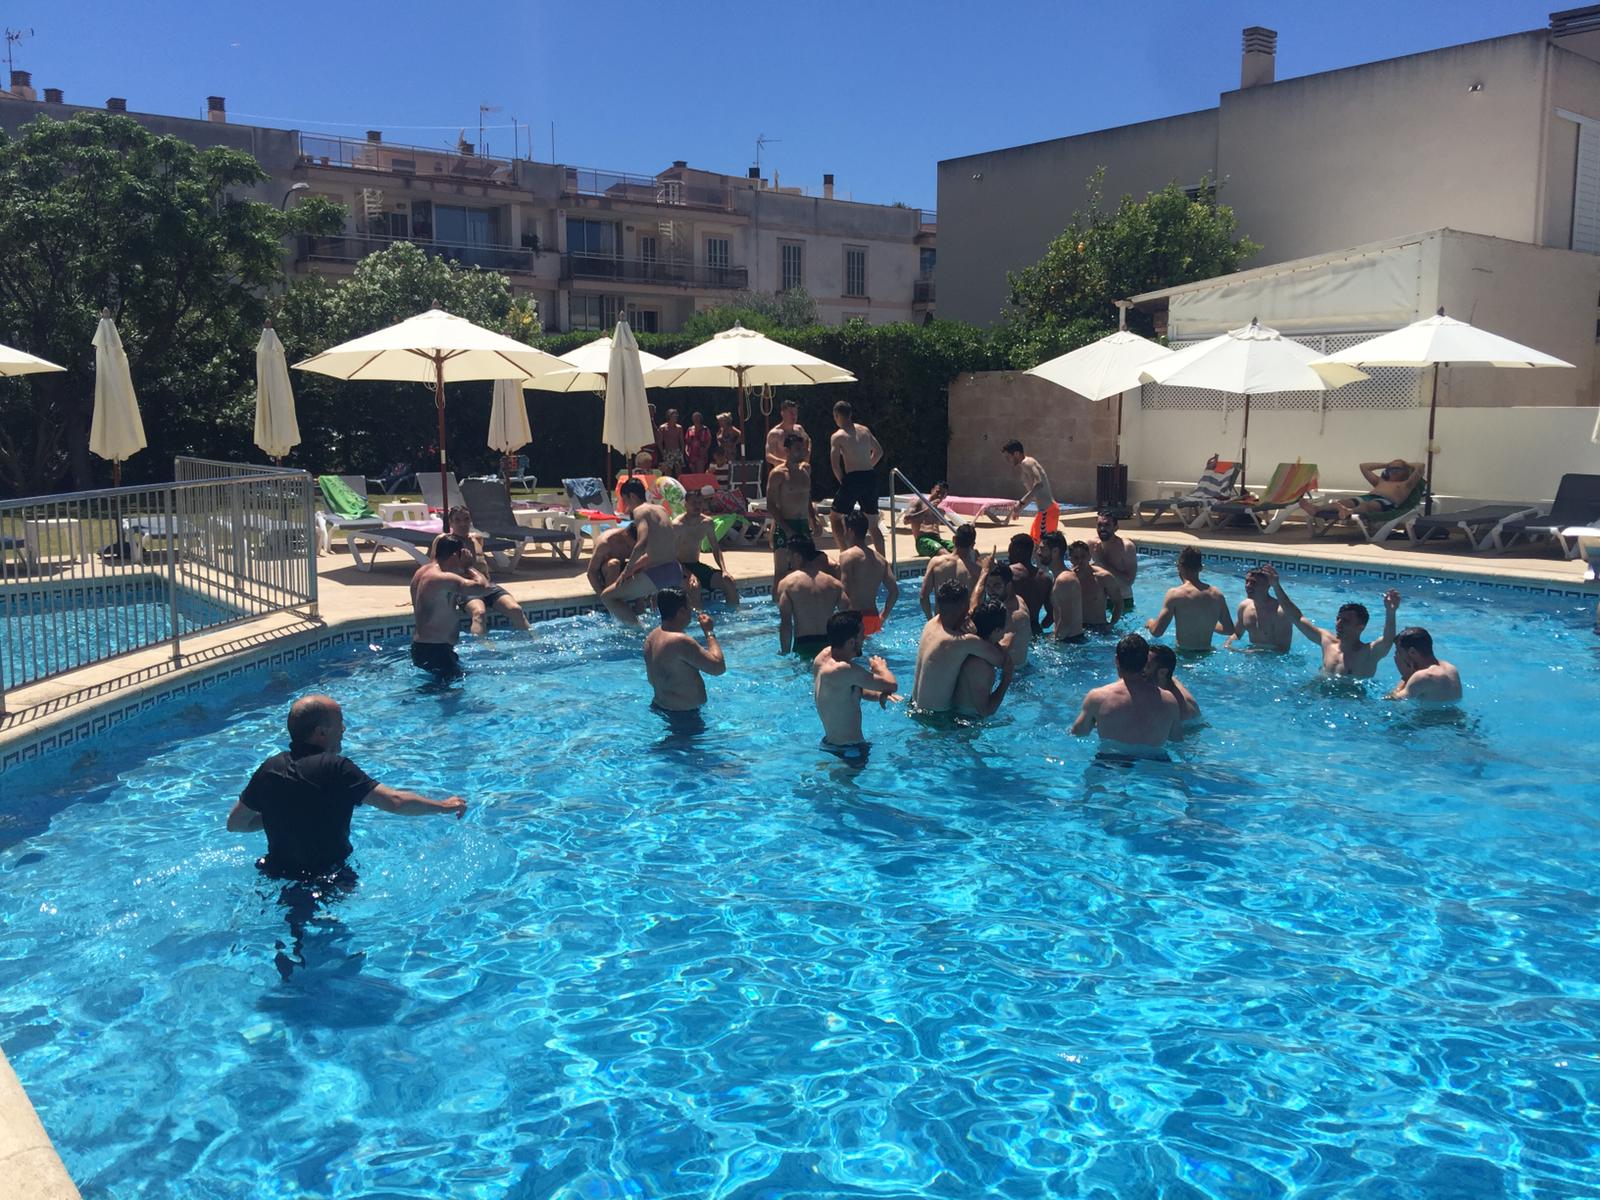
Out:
{"x": 1104, "y": 369}
{"x": 433, "y": 347}
{"x": 1434, "y": 342}
{"x": 508, "y": 418}
{"x": 627, "y": 419}
{"x": 117, "y": 430}
{"x": 277, "y": 431}
{"x": 19, "y": 362}
{"x": 588, "y": 366}
{"x": 1248, "y": 361}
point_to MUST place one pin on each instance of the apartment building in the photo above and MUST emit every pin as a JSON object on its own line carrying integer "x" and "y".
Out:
{"x": 586, "y": 244}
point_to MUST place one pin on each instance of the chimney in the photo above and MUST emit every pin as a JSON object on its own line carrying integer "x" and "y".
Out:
{"x": 827, "y": 187}
{"x": 1260, "y": 63}
{"x": 217, "y": 109}
{"x": 53, "y": 96}
{"x": 680, "y": 163}
{"x": 116, "y": 104}
{"x": 754, "y": 173}
{"x": 374, "y": 135}
{"x": 22, "y": 86}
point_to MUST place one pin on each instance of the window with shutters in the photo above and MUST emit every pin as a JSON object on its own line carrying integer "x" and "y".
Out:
{"x": 855, "y": 270}
{"x": 791, "y": 259}
{"x": 1586, "y": 186}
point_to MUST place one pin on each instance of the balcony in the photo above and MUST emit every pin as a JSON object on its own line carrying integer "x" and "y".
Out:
{"x": 352, "y": 248}
{"x": 390, "y": 158}
{"x": 646, "y": 189}
{"x": 922, "y": 291}
{"x": 667, "y": 272}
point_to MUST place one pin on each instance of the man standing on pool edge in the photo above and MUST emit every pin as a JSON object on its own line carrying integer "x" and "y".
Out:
{"x": 854, "y": 455}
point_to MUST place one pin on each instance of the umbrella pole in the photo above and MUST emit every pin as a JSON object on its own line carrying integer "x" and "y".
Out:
{"x": 1433, "y": 412}
{"x": 438, "y": 402}
{"x": 1116, "y": 450}
{"x": 116, "y": 472}
{"x": 1244, "y": 440}
{"x": 744, "y": 416}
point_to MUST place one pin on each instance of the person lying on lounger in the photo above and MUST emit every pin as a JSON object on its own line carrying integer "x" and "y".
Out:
{"x": 1391, "y": 483}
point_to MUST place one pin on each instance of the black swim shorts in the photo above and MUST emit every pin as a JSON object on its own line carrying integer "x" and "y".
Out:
{"x": 859, "y": 489}
{"x": 437, "y": 657}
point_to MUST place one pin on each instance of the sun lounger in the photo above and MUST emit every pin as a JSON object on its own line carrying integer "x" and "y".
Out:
{"x": 1577, "y": 503}
{"x": 995, "y": 509}
{"x": 587, "y": 498}
{"x": 1290, "y": 483}
{"x": 1474, "y": 522}
{"x": 1374, "y": 526}
{"x": 492, "y": 515}
{"x": 344, "y": 506}
{"x": 428, "y": 485}
{"x": 1218, "y": 482}
{"x": 414, "y": 542}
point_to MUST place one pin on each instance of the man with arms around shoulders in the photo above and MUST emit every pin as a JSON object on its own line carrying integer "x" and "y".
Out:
{"x": 1343, "y": 651}
{"x": 1031, "y": 583}
{"x": 1423, "y": 676}
{"x": 304, "y": 797}
{"x": 611, "y": 551}
{"x": 995, "y": 583}
{"x": 1261, "y": 618}
{"x": 977, "y": 693}
{"x": 1391, "y": 483}
{"x": 1163, "y": 662}
{"x": 1036, "y": 490}
{"x": 789, "y": 504}
{"x": 434, "y": 589}
{"x": 1199, "y": 609}
{"x": 948, "y": 640}
{"x": 1134, "y": 717}
{"x": 960, "y": 564}
{"x": 1065, "y": 615}
{"x": 692, "y": 530}
{"x": 788, "y": 426}
{"x": 458, "y": 522}
{"x": 674, "y": 662}
{"x": 1100, "y": 607}
{"x": 839, "y": 684}
{"x": 854, "y": 454}
{"x": 863, "y": 570}
{"x": 653, "y": 562}
{"x": 807, "y": 596}
{"x": 1117, "y": 555}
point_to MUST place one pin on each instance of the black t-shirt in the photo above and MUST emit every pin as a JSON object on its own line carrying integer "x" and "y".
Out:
{"x": 305, "y": 797}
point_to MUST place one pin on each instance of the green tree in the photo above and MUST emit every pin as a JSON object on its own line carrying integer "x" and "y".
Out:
{"x": 765, "y": 312}
{"x": 99, "y": 212}
{"x": 1067, "y": 299}
{"x": 362, "y": 427}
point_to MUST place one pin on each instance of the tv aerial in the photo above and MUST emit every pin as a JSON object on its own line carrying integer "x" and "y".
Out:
{"x": 13, "y": 36}
{"x": 762, "y": 141}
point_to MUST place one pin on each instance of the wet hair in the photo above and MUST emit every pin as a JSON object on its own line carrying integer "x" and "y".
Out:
{"x": 1020, "y": 549}
{"x": 1359, "y": 610}
{"x": 1254, "y": 576}
{"x": 856, "y": 523}
{"x": 309, "y": 714}
{"x": 447, "y": 545}
{"x": 805, "y": 548}
{"x": 1054, "y": 540}
{"x": 843, "y": 627}
{"x": 1164, "y": 657}
{"x": 953, "y": 593}
{"x": 1078, "y": 548}
{"x": 988, "y": 616}
{"x": 670, "y": 602}
{"x": 1012, "y": 447}
{"x": 1415, "y": 639}
{"x": 999, "y": 568}
{"x": 632, "y": 487}
{"x": 966, "y": 535}
{"x": 842, "y": 408}
{"x": 1189, "y": 559}
{"x": 1106, "y": 518}
{"x": 791, "y": 440}
{"x": 457, "y": 510}
{"x": 1132, "y": 653}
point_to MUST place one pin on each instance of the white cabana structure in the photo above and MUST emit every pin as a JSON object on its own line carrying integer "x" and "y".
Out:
{"x": 627, "y": 417}
{"x": 117, "y": 430}
{"x": 277, "y": 430}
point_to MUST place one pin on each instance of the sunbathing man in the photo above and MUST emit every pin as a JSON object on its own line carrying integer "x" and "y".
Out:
{"x": 853, "y": 453}
{"x": 692, "y": 529}
{"x": 1065, "y": 617}
{"x": 995, "y": 583}
{"x": 1391, "y": 483}
{"x": 1133, "y": 716}
{"x": 1036, "y": 489}
{"x": 611, "y": 551}
{"x": 653, "y": 562}
{"x": 1422, "y": 676}
{"x": 434, "y": 589}
{"x": 925, "y": 521}
{"x": 1116, "y": 554}
{"x": 948, "y": 641}
{"x": 777, "y": 451}
{"x": 669, "y": 436}
{"x": 1343, "y": 651}
{"x": 789, "y": 504}
{"x": 458, "y": 521}
{"x": 1032, "y": 584}
{"x": 674, "y": 662}
{"x": 839, "y": 684}
{"x": 977, "y": 694}
{"x": 1261, "y": 618}
{"x": 1163, "y": 662}
{"x": 960, "y": 564}
{"x": 1100, "y": 608}
{"x": 1199, "y": 608}
{"x": 863, "y": 570}
{"x": 807, "y": 597}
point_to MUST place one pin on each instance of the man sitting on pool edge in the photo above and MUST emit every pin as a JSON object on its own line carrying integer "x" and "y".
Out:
{"x": 653, "y": 562}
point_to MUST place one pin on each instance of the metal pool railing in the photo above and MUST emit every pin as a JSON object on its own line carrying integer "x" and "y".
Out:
{"x": 88, "y": 576}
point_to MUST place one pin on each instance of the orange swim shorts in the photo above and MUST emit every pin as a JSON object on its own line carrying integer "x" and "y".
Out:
{"x": 1045, "y": 522}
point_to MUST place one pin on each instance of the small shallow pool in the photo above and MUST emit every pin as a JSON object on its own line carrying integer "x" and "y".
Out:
{"x": 1345, "y": 948}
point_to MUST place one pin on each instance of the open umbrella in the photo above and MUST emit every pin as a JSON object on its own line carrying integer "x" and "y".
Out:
{"x": 117, "y": 431}
{"x": 1434, "y": 342}
{"x": 1247, "y": 361}
{"x": 587, "y": 368}
{"x": 19, "y": 362}
{"x": 1104, "y": 369}
{"x": 433, "y": 347}
{"x": 627, "y": 419}
{"x": 277, "y": 431}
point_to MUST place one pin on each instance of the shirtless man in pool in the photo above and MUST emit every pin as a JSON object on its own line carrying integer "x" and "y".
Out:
{"x": 1133, "y": 716}
{"x": 1343, "y": 651}
{"x": 996, "y": 583}
{"x": 674, "y": 662}
{"x": 789, "y": 504}
{"x": 434, "y": 589}
{"x": 839, "y": 683}
{"x": 1261, "y": 618}
{"x": 863, "y": 571}
{"x": 653, "y": 563}
{"x": 1117, "y": 555}
{"x": 807, "y": 597}
{"x": 960, "y": 564}
{"x": 1066, "y": 593}
{"x": 1199, "y": 609}
{"x": 1100, "y": 608}
{"x": 947, "y": 642}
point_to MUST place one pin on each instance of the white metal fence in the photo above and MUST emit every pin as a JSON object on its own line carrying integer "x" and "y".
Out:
{"x": 89, "y": 576}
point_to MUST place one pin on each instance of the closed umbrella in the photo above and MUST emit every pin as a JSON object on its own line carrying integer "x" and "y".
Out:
{"x": 587, "y": 368}
{"x": 117, "y": 431}
{"x": 508, "y": 418}
{"x": 627, "y": 418}
{"x": 434, "y": 347}
{"x": 277, "y": 431}
{"x": 1433, "y": 342}
{"x": 1104, "y": 369}
{"x": 18, "y": 362}
{"x": 1247, "y": 361}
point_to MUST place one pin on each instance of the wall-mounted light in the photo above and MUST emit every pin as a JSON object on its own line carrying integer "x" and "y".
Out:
{"x": 977, "y": 176}
{"x": 1477, "y": 87}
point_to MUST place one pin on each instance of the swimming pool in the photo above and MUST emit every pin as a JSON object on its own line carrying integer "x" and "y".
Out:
{"x": 1346, "y": 949}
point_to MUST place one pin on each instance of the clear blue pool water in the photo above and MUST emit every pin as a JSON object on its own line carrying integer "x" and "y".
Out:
{"x": 1345, "y": 949}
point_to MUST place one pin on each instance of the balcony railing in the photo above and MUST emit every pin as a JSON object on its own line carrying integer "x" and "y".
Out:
{"x": 646, "y": 189}
{"x": 929, "y": 218}
{"x": 350, "y": 248}
{"x": 392, "y": 158}
{"x": 651, "y": 270}
{"x": 922, "y": 291}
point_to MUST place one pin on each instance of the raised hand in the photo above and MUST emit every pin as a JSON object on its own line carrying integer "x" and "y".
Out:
{"x": 1391, "y": 600}
{"x": 706, "y": 623}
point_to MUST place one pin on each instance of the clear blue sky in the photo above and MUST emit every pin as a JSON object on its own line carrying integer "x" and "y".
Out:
{"x": 875, "y": 91}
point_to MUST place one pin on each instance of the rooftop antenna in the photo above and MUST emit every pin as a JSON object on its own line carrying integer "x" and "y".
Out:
{"x": 13, "y": 36}
{"x": 762, "y": 141}
{"x": 482, "y": 109}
